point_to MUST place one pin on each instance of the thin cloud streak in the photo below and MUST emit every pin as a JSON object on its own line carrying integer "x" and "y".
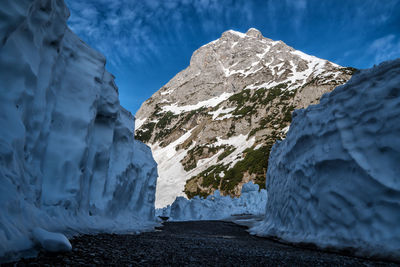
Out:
{"x": 135, "y": 30}
{"x": 385, "y": 48}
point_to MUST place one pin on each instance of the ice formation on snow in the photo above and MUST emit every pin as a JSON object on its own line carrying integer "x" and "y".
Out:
{"x": 68, "y": 159}
{"x": 335, "y": 179}
{"x": 217, "y": 207}
{"x": 53, "y": 242}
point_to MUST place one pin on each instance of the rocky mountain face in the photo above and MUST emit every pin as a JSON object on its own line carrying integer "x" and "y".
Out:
{"x": 212, "y": 126}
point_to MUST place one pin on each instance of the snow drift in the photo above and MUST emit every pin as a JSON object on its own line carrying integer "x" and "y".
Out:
{"x": 335, "y": 179}
{"x": 217, "y": 207}
{"x": 53, "y": 242}
{"x": 68, "y": 159}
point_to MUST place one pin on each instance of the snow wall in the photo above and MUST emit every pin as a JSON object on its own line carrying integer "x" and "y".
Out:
{"x": 217, "y": 207}
{"x": 68, "y": 158}
{"x": 335, "y": 179}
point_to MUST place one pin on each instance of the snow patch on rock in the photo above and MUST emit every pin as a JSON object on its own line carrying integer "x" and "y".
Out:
{"x": 169, "y": 160}
{"x": 212, "y": 102}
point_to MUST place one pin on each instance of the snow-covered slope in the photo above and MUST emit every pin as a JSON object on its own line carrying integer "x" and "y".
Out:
{"x": 212, "y": 125}
{"x": 335, "y": 179}
{"x": 68, "y": 159}
{"x": 216, "y": 207}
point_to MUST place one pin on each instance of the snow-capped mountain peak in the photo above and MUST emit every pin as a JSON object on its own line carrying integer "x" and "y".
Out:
{"x": 240, "y": 88}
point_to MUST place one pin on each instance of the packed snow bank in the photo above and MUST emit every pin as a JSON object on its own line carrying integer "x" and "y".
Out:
{"x": 164, "y": 212}
{"x": 68, "y": 160}
{"x": 217, "y": 207}
{"x": 53, "y": 242}
{"x": 335, "y": 179}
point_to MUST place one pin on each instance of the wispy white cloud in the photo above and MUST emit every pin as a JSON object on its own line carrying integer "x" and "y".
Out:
{"x": 135, "y": 30}
{"x": 385, "y": 48}
{"x": 299, "y": 9}
{"x": 374, "y": 12}
{"x": 140, "y": 31}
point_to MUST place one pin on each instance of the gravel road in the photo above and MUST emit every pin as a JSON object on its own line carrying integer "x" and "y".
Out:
{"x": 198, "y": 243}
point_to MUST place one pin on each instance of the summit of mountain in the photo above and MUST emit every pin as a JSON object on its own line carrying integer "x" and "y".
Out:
{"x": 213, "y": 124}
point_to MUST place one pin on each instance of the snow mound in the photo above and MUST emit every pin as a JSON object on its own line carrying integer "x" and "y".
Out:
{"x": 335, "y": 179}
{"x": 53, "y": 242}
{"x": 163, "y": 212}
{"x": 68, "y": 159}
{"x": 217, "y": 207}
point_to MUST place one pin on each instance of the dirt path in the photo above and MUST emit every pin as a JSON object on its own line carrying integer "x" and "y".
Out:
{"x": 200, "y": 243}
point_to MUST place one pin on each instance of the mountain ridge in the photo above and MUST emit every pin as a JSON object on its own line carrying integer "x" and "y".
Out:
{"x": 226, "y": 109}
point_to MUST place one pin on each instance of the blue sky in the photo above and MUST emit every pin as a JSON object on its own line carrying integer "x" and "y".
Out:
{"x": 147, "y": 42}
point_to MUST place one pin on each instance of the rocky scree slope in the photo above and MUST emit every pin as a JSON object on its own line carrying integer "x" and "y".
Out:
{"x": 68, "y": 159}
{"x": 212, "y": 125}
